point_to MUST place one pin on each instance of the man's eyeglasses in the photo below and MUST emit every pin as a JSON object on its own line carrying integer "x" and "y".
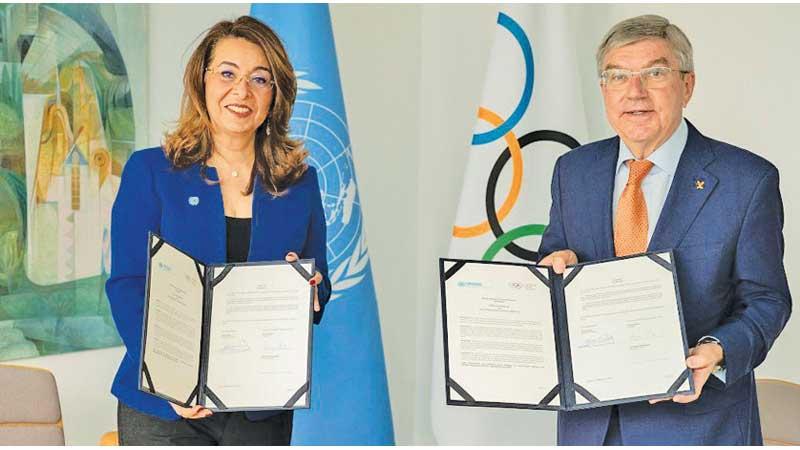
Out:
{"x": 260, "y": 80}
{"x": 652, "y": 77}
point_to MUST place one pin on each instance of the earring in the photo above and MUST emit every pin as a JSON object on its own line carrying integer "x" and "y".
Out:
{"x": 268, "y": 131}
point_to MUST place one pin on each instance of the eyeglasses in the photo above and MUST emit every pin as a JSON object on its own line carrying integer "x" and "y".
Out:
{"x": 652, "y": 77}
{"x": 260, "y": 80}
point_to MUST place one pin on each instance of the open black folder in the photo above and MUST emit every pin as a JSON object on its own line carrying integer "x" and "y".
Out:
{"x": 520, "y": 336}
{"x": 231, "y": 337}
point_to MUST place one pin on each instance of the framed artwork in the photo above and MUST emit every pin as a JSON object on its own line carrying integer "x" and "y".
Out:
{"x": 73, "y": 85}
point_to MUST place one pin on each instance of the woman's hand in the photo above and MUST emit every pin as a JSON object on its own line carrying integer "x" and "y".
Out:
{"x": 195, "y": 412}
{"x": 314, "y": 281}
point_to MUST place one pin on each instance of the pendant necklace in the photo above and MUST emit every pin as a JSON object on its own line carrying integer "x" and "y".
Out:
{"x": 234, "y": 172}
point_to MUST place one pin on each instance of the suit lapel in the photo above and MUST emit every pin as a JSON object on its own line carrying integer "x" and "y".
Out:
{"x": 601, "y": 189}
{"x": 204, "y": 214}
{"x": 268, "y": 233}
{"x": 691, "y": 187}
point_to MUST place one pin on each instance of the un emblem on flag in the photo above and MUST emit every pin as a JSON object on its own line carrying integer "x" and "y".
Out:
{"x": 325, "y": 135}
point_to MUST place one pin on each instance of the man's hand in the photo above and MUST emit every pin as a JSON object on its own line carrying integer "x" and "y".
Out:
{"x": 560, "y": 260}
{"x": 702, "y": 359}
{"x": 195, "y": 412}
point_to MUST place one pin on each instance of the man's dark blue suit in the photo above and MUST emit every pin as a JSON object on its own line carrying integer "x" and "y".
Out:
{"x": 723, "y": 217}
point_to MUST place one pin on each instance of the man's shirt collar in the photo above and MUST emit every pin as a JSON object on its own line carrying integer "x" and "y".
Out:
{"x": 665, "y": 157}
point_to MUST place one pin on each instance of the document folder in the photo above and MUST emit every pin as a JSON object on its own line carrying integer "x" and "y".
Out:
{"x": 177, "y": 332}
{"x": 507, "y": 353}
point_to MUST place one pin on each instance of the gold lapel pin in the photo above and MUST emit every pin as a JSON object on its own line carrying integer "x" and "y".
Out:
{"x": 699, "y": 185}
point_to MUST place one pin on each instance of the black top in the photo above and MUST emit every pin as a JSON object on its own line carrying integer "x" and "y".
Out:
{"x": 238, "y": 244}
{"x": 238, "y": 241}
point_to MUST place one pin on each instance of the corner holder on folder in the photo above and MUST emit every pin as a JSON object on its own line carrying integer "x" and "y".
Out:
{"x": 157, "y": 246}
{"x": 550, "y": 396}
{"x": 660, "y": 261}
{"x": 216, "y": 280}
{"x": 192, "y": 395}
{"x": 302, "y": 271}
{"x": 539, "y": 275}
{"x": 148, "y": 378}
{"x": 461, "y": 391}
{"x": 585, "y": 393}
{"x": 199, "y": 272}
{"x": 213, "y": 397}
{"x": 294, "y": 398}
{"x": 573, "y": 273}
{"x": 678, "y": 382}
{"x": 453, "y": 269}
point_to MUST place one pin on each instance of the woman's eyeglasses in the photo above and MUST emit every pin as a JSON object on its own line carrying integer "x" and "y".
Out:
{"x": 259, "y": 80}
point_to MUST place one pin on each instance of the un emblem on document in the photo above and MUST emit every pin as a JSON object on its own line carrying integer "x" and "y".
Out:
{"x": 326, "y": 137}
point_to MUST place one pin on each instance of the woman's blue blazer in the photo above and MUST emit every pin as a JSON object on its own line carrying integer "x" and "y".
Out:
{"x": 187, "y": 211}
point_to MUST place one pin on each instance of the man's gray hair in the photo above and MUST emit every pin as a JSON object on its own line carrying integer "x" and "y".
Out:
{"x": 644, "y": 27}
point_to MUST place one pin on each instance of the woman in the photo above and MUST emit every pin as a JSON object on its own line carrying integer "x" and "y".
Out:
{"x": 228, "y": 185}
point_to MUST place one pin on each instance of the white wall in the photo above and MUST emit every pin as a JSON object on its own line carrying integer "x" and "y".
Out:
{"x": 412, "y": 77}
{"x": 455, "y": 50}
{"x": 174, "y": 33}
{"x": 378, "y": 47}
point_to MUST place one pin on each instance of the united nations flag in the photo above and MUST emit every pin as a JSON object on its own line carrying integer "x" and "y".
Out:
{"x": 349, "y": 395}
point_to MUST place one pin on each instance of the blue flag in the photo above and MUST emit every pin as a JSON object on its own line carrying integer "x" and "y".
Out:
{"x": 349, "y": 395}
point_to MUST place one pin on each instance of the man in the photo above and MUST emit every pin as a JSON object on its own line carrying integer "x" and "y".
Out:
{"x": 660, "y": 184}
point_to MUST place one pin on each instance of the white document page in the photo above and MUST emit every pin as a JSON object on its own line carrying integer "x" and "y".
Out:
{"x": 500, "y": 334}
{"x": 174, "y": 324}
{"x": 259, "y": 336}
{"x": 624, "y": 329}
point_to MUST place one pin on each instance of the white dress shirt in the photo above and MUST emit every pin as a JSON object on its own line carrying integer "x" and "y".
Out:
{"x": 656, "y": 183}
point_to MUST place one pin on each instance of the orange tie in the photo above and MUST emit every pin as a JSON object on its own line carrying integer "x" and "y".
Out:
{"x": 630, "y": 226}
